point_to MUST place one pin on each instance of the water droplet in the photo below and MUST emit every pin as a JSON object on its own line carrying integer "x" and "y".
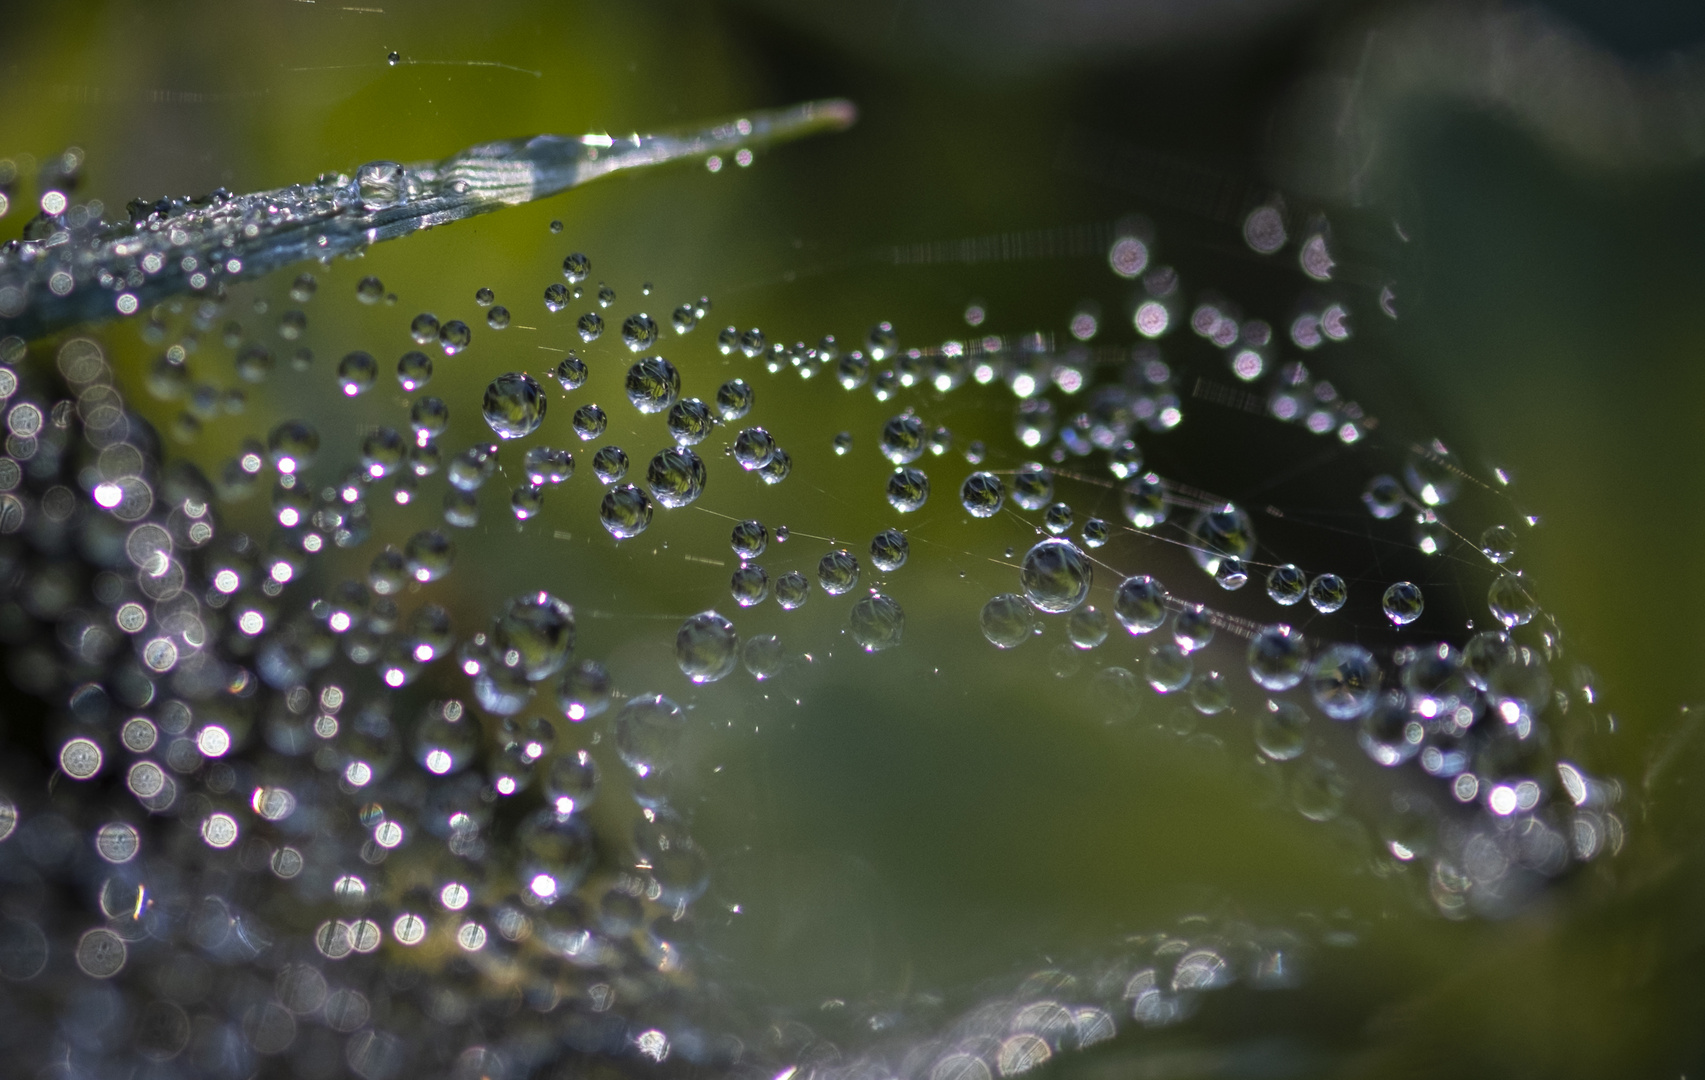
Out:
{"x": 1281, "y": 731}
{"x": 1345, "y": 681}
{"x": 1384, "y": 497}
{"x": 1057, "y": 519}
{"x": 606, "y": 295}
{"x": 472, "y": 467}
{"x": 1278, "y": 655}
{"x": 575, "y": 268}
{"x": 792, "y": 590}
{"x": 1210, "y": 695}
{"x": 1140, "y": 604}
{"x": 1432, "y": 477}
{"x": 780, "y": 464}
{"x": 414, "y": 370}
{"x": 625, "y": 512}
{"x": 533, "y": 636}
{"x": 749, "y": 585}
{"x": 1144, "y": 501}
{"x": 882, "y": 341}
{"x": 293, "y": 445}
{"x": 428, "y": 417}
{"x": 454, "y": 336}
{"x": 690, "y": 421}
{"x": 982, "y": 494}
{"x": 1034, "y": 422}
{"x": 1087, "y": 627}
{"x": 546, "y": 466}
{"x": 429, "y": 555}
{"x": 1032, "y": 486}
{"x": 908, "y": 489}
{"x": 393, "y": 59}
{"x": 356, "y": 373}
{"x": 1287, "y": 584}
{"x": 1403, "y": 603}
{"x": 484, "y": 296}
{"x": 685, "y": 319}
{"x": 1230, "y": 574}
{"x": 1510, "y": 601}
{"x": 424, "y": 328}
{"x": 749, "y": 539}
{"x": 610, "y": 464}
{"x": 676, "y": 477}
{"x": 584, "y": 691}
{"x": 1095, "y": 533}
{"x": 706, "y": 647}
{"x": 514, "y": 405}
{"x": 1008, "y": 621}
{"x": 1192, "y": 627}
{"x": 903, "y": 439}
{"x": 591, "y": 326}
{"x": 752, "y": 343}
{"x": 843, "y": 443}
{"x": 1389, "y": 733}
{"x": 370, "y": 290}
{"x": 1057, "y": 576}
{"x": 526, "y": 501}
{"x": 1328, "y": 593}
{"x": 571, "y": 373}
{"x": 734, "y": 399}
{"x": 753, "y": 448}
{"x": 888, "y": 550}
{"x": 1499, "y": 543}
{"x": 877, "y": 622}
{"x": 639, "y": 332}
{"x": 572, "y": 784}
{"x": 381, "y": 184}
{"x": 556, "y": 297}
{"x": 653, "y": 384}
{"x": 837, "y": 572}
{"x": 497, "y": 318}
{"x": 648, "y": 732}
{"x": 382, "y": 452}
{"x": 556, "y": 852}
{"x": 1126, "y": 460}
{"x": 763, "y": 656}
{"x": 1168, "y": 668}
{"x": 589, "y": 422}
{"x": 727, "y": 340}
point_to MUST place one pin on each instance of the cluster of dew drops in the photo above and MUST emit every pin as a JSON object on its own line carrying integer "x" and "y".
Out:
{"x": 205, "y": 613}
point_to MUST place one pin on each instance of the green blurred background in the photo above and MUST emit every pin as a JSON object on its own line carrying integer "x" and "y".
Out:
{"x": 1549, "y": 295}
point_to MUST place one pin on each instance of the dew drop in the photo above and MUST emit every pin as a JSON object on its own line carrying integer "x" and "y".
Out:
{"x": 837, "y": 572}
{"x": 676, "y": 477}
{"x": 706, "y": 647}
{"x": 749, "y": 539}
{"x": 414, "y": 370}
{"x": 1007, "y": 621}
{"x": 653, "y": 384}
{"x": 514, "y": 405}
{"x": 1056, "y": 575}
{"x": 639, "y": 332}
{"x": 792, "y": 590}
{"x": 888, "y": 550}
{"x": 610, "y": 464}
{"x": 591, "y": 326}
{"x": 625, "y": 512}
{"x": 982, "y": 494}
{"x": 908, "y": 489}
{"x": 1403, "y": 603}
{"x": 589, "y": 422}
{"x": 1140, "y": 604}
{"x": 877, "y": 622}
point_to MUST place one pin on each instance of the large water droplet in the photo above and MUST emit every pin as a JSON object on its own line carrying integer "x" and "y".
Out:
{"x": 514, "y": 405}
{"x": 982, "y": 494}
{"x": 625, "y": 512}
{"x": 381, "y": 184}
{"x": 706, "y": 647}
{"x": 877, "y": 622}
{"x": 1140, "y": 604}
{"x": 837, "y": 572}
{"x": 1278, "y": 656}
{"x": 1056, "y": 575}
{"x": 676, "y": 476}
{"x": 1007, "y": 620}
{"x": 653, "y": 384}
{"x": 1345, "y": 681}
